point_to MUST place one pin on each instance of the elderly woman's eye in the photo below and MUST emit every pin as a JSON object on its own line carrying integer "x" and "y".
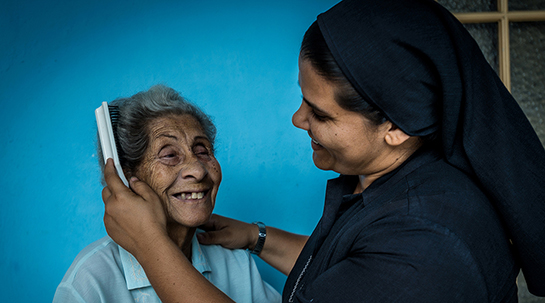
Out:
{"x": 201, "y": 150}
{"x": 169, "y": 155}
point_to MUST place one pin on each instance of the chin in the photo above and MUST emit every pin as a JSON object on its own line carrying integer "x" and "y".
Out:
{"x": 193, "y": 221}
{"x": 319, "y": 163}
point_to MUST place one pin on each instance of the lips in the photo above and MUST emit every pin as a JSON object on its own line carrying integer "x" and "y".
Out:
{"x": 315, "y": 144}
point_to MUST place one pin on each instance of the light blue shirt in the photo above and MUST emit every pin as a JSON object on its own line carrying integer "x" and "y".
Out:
{"x": 105, "y": 272}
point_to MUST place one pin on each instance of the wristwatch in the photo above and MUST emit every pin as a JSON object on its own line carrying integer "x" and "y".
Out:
{"x": 261, "y": 240}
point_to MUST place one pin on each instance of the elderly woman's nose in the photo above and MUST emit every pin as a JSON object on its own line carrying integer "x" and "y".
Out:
{"x": 193, "y": 168}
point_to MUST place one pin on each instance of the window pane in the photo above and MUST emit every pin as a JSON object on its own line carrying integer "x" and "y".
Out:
{"x": 486, "y": 35}
{"x": 519, "y": 5}
{"x": 457, "y": 6}
{"x": 527, "y": 43}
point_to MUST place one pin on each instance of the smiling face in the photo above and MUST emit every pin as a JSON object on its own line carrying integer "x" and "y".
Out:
{"x": 180, "y": 166}
{"x": 343, "y": 141}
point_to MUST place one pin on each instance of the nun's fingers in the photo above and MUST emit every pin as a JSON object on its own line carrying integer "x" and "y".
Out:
{"x": 106, "y": 193}
{"x": 133, "y": 218}
{"x": 112, "y": 179}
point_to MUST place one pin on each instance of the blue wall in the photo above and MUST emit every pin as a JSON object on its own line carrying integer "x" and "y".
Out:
{"x": 59, "y": 59}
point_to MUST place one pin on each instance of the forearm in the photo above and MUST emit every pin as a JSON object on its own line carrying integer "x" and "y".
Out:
{"x": 173, "y": 277}
{"x": 281, "y": 248}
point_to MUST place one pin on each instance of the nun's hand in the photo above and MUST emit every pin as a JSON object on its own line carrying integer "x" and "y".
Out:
{"x": 229, "y": 233}
{"x": 133, "y": 218}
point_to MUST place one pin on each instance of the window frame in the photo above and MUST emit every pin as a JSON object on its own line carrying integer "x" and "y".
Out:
{"x": 503, "y": 17}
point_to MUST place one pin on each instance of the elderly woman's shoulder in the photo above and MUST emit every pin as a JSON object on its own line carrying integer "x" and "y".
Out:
{"x": 235, "y": 272}
{"x": 215, "y": 253}
{"x": 98, "y": 253}
{"x": 95, "y": 273}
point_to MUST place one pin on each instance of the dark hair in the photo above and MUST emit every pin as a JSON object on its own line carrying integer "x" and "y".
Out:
{"x": 315, "y": 49}
{"x": 136, "y": 113}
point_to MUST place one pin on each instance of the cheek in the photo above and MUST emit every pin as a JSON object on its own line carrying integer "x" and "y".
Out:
{"x": 157, "y": 181}
{"x": 157, "y": 178}
{"x": 215, "y": 171}
{"x": 318, "y": 131}
{"x": 329, "y": 137}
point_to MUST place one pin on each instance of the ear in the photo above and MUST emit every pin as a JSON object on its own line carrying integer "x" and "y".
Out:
{"x": 395, "y": 136}
{"x": 128, "y": 173}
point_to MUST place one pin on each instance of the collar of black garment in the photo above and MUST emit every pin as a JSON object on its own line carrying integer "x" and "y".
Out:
{"x": 339, "y": 193}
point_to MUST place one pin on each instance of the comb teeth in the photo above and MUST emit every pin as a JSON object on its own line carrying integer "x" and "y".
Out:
{"x": 114, "y": 114}
{"x": 114, "y": 118}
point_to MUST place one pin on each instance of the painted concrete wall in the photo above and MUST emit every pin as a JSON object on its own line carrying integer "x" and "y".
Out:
{"x": 60, "y": 59}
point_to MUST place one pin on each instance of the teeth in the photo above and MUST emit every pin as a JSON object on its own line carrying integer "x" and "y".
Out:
{"x": 192, "y": 196}
{"x": 315, "y": 142}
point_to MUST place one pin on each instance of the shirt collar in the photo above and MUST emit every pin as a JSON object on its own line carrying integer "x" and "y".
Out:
{"x": 198, "y": 258}
{"x": 136, "y": 277}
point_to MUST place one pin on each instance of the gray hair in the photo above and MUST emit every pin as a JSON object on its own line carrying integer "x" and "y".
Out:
{"x": 136, "y": 113}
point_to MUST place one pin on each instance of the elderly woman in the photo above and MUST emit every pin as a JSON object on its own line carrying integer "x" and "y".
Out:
{"x": 441, "y": 193}
{"x": 169, "y": 144}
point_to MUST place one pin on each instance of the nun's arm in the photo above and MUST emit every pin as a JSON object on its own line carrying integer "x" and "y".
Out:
{"x": 281, "y": 248}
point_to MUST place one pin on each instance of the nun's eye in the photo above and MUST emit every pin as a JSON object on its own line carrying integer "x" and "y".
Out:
{"x": 317, "y": 116}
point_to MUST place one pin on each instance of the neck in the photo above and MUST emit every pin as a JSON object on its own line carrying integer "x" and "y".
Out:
{"x": 181, "y": 236}
{"x": 392, "y": 161}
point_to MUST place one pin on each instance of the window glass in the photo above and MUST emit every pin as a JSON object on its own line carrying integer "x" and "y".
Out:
{"x": 519, "y": 5}
{"x": 486, "y": 35}
{"x": 458, "y": 6}
{"x": 527, "y": 47}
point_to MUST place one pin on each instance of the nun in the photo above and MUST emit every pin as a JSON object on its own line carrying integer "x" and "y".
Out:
{"x": 441, "y": 188}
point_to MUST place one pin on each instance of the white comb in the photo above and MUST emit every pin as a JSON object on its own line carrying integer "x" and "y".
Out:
{"x": 107, "y": 140}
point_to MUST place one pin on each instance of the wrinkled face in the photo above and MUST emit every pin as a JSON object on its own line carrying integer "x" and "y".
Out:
{"x": 180, "y": 167}
{"x": 342, "y": 140}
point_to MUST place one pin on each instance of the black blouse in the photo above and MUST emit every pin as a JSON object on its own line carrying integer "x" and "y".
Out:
{"x": 422, "y": 233}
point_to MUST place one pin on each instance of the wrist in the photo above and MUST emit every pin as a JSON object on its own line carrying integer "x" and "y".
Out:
{"x": 148, "y": 241}
{"x": 253, "y": 235}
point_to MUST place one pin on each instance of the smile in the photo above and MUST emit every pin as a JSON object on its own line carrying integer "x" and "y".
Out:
{"x": 191, "y": 195}
{"x": 315, "y": 145}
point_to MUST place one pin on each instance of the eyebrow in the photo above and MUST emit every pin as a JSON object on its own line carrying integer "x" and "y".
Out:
{"x": 315, "y": 107}
{"x": 176, "y": 138}
{"x": 201, "y": 138}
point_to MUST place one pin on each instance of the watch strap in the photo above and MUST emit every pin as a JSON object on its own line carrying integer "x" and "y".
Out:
{"x": 261, "y": 240}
